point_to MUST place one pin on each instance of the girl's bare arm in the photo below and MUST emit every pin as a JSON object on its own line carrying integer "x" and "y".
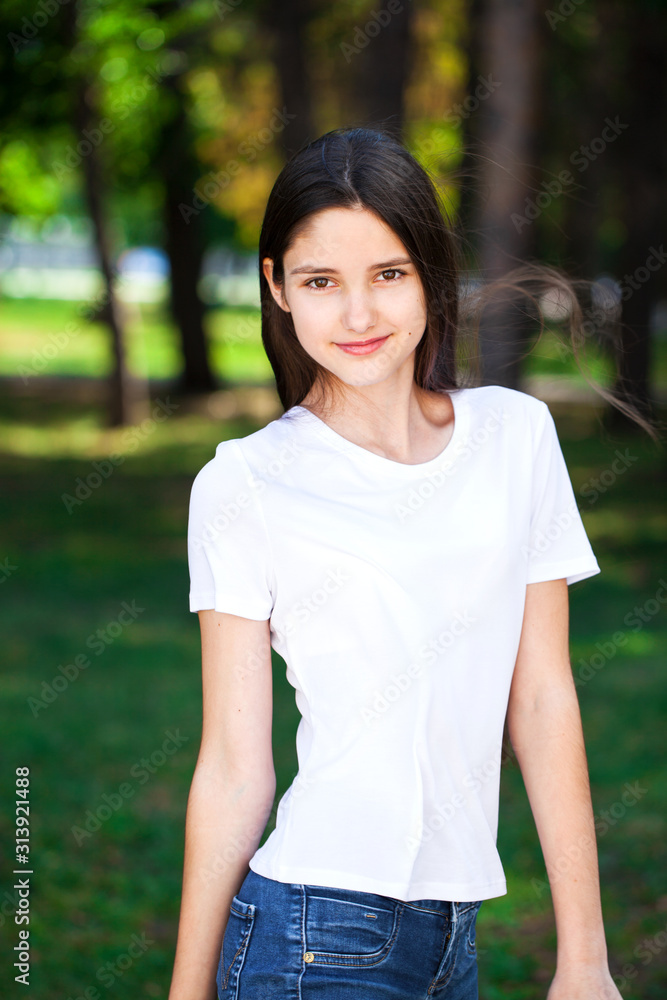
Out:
{"x": 232, "y": 792}
{"x": 544, "y": 725}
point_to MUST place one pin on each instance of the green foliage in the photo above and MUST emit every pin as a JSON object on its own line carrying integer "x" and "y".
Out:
{"x": 142, "y": 65}
{"x": 26, "y": 188}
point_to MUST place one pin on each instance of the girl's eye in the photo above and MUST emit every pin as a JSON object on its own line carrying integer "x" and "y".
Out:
{"x": 394, "y": 272}
{"x": 309, "y": 284}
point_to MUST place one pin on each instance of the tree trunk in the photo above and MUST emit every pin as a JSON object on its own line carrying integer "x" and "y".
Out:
{"x": 507, "y": 40}
{"x": 124, "y": 396}
{"x": 287, "y": 23}
{"x": 384, "y": 66}
{"x": 124, "y": 391}
{"x": 467, "y": 178}
{"x": 580, "y": 121}
{"x": 184, "y": 246}
{"x": 642, "y": 154}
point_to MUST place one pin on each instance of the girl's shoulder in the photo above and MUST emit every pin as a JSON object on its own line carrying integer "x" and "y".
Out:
{"x": 512, "y": 408}
{"x": 236, "y": 458}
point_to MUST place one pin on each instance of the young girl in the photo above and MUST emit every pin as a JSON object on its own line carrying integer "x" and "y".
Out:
{"x": 405, "y": 543}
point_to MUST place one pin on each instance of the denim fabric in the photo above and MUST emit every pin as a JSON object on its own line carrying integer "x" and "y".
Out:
{"x": 289, "y": 941}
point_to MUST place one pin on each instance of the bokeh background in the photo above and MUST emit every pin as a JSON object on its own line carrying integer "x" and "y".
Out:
{"x": 138, "y": 144}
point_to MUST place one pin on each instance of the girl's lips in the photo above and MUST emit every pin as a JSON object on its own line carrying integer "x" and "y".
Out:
{"x": 367, "y": 348}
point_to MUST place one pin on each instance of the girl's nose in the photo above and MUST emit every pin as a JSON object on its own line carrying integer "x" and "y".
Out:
{"x": 359, "y": 312}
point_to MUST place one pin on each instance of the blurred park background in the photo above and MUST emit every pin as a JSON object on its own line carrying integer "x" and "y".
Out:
{"x": 138, "y": 144}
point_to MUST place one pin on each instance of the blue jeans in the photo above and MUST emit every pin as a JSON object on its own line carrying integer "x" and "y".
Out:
{"x": 288, "y": 941}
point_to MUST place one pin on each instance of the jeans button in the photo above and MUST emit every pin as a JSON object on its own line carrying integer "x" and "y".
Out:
{"x": 308, "y": 957}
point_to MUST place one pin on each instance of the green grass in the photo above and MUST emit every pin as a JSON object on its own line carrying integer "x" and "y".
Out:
{"x": 127, "y": 543}
{"x": 50, "y": 338}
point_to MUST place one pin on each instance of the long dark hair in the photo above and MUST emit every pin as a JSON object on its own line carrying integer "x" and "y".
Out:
{"x": 369, "y": 168}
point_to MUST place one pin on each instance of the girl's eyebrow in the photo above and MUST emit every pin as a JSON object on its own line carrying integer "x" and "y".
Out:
{"x": 383, "y": 265}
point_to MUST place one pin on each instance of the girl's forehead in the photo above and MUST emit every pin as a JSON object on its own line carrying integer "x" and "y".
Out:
{"x": 327, "y": 229}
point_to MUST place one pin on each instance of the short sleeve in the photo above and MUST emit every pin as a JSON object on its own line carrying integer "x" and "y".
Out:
{"x": 229, "y": 555}
{"x": 558, "y": 544}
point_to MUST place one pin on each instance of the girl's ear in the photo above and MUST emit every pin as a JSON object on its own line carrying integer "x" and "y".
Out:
{"x": 276, "y": 290}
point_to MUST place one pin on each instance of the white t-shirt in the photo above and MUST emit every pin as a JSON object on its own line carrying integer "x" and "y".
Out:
{"x": 396, "y": 596}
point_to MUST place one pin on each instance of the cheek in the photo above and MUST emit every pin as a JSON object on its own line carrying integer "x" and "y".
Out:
{"x": 312, "y": 322}
{"x": 410, "y": 313}
{"x": 311, "y": 313}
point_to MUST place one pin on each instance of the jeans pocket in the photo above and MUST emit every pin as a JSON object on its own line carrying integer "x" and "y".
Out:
{"x": 234, "y": 946}
{"x": 347, "y": 932}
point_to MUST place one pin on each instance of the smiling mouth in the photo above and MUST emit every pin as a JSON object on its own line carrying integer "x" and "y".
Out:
{"x": 361, "y": 343}
{"x": 361, "y": 347}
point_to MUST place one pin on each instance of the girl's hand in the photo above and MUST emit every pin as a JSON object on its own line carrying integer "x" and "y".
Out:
{"x": 583, "y": 982}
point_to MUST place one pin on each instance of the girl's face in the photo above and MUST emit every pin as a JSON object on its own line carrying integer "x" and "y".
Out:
{"x": 349, "y": 280}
